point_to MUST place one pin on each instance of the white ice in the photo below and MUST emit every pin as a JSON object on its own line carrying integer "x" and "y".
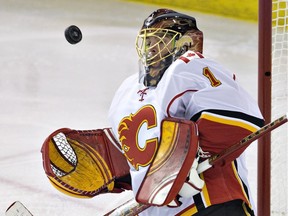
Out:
{"x": 47, "y": 83}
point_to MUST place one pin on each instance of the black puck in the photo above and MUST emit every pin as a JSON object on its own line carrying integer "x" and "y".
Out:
{"x": 73, "y": 34}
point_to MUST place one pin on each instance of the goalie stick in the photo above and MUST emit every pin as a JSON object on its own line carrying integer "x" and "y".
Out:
{"x": 132, "y": 208}
{"x": 17, "y": 209}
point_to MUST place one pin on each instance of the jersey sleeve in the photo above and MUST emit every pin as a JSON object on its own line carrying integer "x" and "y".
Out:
{"x": 219, "y": 129}
{"x": 193, "y": 84}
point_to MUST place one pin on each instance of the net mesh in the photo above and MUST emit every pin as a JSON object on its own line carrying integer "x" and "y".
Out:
{"x": 279, "y": 140}
{"x": 66, "y": 151}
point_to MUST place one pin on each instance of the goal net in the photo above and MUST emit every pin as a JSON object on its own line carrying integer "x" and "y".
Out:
{"x": 272, "y": 98}
{"x": 279, "y": 106}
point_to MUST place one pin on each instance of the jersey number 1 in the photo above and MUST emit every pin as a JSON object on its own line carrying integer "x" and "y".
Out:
{"x": 208, "y": 73}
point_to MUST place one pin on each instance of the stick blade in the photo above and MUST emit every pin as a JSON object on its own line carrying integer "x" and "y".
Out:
{"x": 17, "y": 209}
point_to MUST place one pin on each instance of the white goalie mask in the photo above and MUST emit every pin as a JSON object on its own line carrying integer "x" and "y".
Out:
{"x": 165, "y": 36}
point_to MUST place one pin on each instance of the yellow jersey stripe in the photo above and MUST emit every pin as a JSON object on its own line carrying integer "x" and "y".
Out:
{"x": 229, "y": 121}
{"x": 240, "y": 183}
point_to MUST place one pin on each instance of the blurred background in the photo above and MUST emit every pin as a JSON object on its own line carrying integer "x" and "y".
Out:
{"x": 47, "y": 83}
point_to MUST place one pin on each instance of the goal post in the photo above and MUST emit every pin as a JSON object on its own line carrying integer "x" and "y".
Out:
{"x": 272, "y": 197}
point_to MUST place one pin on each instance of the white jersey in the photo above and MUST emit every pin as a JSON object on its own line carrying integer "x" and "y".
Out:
{"x": 191, "y": 85}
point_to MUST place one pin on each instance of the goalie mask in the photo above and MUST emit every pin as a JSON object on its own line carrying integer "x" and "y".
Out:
{"x": 164, "y": 37}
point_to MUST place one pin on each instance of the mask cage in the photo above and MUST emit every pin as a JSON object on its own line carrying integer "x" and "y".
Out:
{"x": 155, "y": 44}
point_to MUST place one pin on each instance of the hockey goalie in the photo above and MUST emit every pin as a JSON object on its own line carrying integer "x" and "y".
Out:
{"x": 180, "y": 109}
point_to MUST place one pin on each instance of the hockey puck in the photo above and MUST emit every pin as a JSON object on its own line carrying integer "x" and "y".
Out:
{"x": 73, "y": 34}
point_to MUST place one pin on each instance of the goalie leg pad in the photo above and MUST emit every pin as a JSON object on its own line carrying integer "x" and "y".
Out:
{"x": 172, "y": 163}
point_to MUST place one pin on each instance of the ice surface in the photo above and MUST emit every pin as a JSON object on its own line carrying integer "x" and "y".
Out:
{"x": 46, "y": 84}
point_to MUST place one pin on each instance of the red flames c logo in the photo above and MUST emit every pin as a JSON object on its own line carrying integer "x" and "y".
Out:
{"x": 128, "y": 131}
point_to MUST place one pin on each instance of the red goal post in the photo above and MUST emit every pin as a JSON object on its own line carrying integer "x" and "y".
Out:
{"x": 272, "y": 198}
